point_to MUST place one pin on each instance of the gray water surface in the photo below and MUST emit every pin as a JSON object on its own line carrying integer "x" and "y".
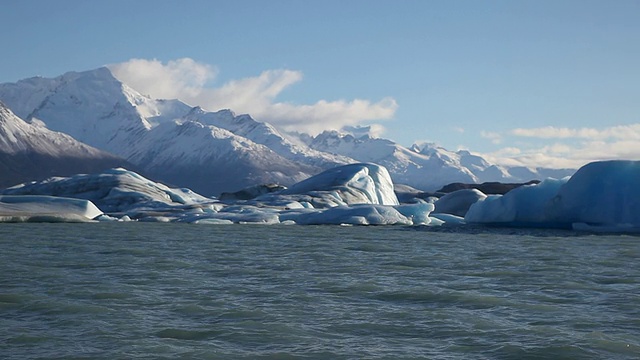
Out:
{"x": 148, "y": 291}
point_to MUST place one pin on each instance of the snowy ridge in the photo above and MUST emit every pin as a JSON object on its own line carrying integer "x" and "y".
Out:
{"x": 16, "y": 135}
{"x": 423, "y": 170}
{"x": 32, "y": 152}
{"x": 267, "y": 135}
{"x": 425, "y": 166}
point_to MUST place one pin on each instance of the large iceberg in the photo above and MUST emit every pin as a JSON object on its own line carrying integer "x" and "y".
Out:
{"x": 604, "y": 194}
{"x": 362, "y": 183}
{"x": 599, "y": 196}
{"x": 38, "y": 208}
{"x": 523, "y": 206}
{"x": 115, "y": 190}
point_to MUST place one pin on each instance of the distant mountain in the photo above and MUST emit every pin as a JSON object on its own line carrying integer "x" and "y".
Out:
{"x": 33, "y": 152}
{"x": 266, "y": 134}
{"x": 167, "y": 139}
{"x": 215, "y": 152}
{"x": 406, "y": 166}
{"x": 426, "y": 166}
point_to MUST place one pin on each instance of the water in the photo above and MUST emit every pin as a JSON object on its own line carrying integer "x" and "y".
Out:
{"x": 153, "y": 291}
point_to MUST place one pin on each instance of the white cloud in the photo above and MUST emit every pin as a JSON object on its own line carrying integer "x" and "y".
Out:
{"x": 188, "y": 80}
{"x": 495, "y": 137}
{"x": 571, "y": 147}
{"x": 561, "y": 155}
{"x": 178, "y": 78}
{"x": 621, "y": 132}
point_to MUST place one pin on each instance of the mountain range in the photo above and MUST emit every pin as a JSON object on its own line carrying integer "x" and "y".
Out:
{"x": 84, "y": 121}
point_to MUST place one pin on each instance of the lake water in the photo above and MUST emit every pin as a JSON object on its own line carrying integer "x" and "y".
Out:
{"x": 154, "y": 291}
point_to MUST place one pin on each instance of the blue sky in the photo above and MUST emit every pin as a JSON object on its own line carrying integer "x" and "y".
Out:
{"x": 550, "y": 83}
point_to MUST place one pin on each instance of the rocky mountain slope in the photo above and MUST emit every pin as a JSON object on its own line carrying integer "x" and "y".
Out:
{"x": 33, "y": 152}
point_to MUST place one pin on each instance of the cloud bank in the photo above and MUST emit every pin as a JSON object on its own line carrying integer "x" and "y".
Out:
{"x": 571, "y": 147}
{"x": 190, "y": 81}
{"x": 621, "y": 132}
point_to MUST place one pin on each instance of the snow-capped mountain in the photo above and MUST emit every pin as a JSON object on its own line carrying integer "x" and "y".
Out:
{"x": 210, "y": 159}
{"x": 215, "y": 152}
{"x": 33, "y": 152}
{"x": 168, "y": 139}
{"x": 427, "y": 170}
{"x": 91, "y": 106}
{"x": 424, "y": 166}
{"x": 267, "y": 135}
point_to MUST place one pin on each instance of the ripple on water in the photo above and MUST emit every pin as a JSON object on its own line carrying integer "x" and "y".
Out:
{"x": 198, "y": 291}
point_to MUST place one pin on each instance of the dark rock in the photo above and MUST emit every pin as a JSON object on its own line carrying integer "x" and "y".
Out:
{"x": 488, "y": 188}
{"x": 251, "y": 192}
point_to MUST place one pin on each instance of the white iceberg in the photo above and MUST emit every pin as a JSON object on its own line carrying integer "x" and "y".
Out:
{"x": 362, "y": 183}
{"x": 115, "y": 190}
{"x": 362, "y": 214}
{"x": 236, "y": 214}
{"x": 38, "y": 208}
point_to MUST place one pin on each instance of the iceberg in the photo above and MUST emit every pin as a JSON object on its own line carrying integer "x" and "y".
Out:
{"x": 361, "y": 183}
{"x": 351, "y": 215}
{"x": 600, "y": 196}
{"x": 362, "y": 214}
{"x": 115, "y": 190}
{"x": 234, "y": 214}
{"x": 524, "y": 206}
{"x": 458, "y": 202}
{"x": 39, "y": 208}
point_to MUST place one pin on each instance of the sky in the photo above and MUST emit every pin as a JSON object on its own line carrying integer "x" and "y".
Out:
{"x": 538, "y": 83}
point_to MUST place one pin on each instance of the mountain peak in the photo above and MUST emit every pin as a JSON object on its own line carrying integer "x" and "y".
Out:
{"x": 360, "y": 132}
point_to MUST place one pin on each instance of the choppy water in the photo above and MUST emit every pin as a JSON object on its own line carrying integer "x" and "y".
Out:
{"x": 108, "y": 291}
